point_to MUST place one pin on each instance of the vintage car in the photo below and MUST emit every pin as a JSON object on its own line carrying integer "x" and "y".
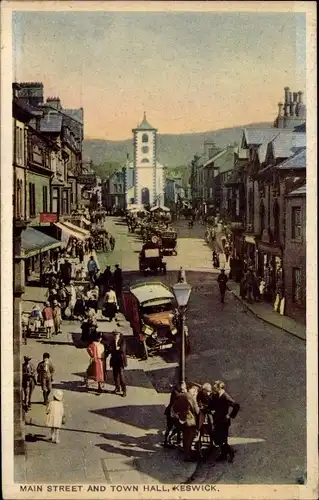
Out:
{"x": 151, "y": 257}
{"x": 169, "y": 241}
{"x": 149, "y": 307}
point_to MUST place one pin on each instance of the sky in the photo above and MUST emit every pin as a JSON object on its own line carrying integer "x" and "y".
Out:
{"x": 190, "y": 72}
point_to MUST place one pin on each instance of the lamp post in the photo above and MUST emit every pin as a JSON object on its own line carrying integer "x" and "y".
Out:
{"x": 182, "y": 292}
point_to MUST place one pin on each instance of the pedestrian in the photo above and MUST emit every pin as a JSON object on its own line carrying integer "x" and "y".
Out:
{"x": 204, "y": 399}
{"x": 45, "y": 372}
{"x": 57, "y": 317}
{"x": 88, "y": 330}
{"x": 215, "y": 260}
{"x": 28, "y": 382}
{"x": 72, "y": 299}
{"x": 111, "y": 304}
{"x": 55, "y": 416}
{"x": 112, "y": 242}
{"x": 47, "y": 314}
{"x": 81, "y": 252}
{"x": 224, "y": 408}
{"x": 118, "y": 361}
{"x": 262, "y": 286}
{"x": 107, "y": 278}
{"x": 181, "y": 275}
{"x": 172, "y": 423}
{"x": 222, "y": 281}
{"x": 97, "y": 368}
{"x": 35, "y": 317}
{"x": 118, "y": 281}
{"x": 187, "y": 410}
{"x": 92, "y": 269}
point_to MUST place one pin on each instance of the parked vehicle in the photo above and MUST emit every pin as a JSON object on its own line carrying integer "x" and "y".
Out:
{"x": 150, "y": 309}
{"x": 151, "y": 257}
{"x": 169, "y": 241}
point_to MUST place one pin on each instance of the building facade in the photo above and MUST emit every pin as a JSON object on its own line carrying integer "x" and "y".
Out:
{"x": 295, "y": 254}
{"x": 149, "y": 179}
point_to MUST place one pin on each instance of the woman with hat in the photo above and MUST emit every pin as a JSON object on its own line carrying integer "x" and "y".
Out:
{"x": 35, "y": 318}
{"x": 55, "y": 415}
{"x": 57, "y": 316}
{"x": 97, "y": 366}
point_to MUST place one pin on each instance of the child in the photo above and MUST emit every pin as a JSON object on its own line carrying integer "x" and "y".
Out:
{"x": 55, "y": 415}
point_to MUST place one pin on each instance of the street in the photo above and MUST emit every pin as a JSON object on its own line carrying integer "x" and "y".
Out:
{"x": 263, "y": 368}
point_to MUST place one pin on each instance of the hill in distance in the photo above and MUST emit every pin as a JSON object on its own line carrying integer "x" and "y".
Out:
{"x": 172, "y": 150}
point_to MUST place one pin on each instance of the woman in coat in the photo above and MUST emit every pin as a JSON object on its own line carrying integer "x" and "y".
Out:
{"x": 97, "y": 368}
{"x": 57, "y": 317}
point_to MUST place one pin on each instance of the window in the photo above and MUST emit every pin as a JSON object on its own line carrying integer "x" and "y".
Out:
{"x": 296, "y": 223}
{"x": 115, "y": 188}
{"x": 18, "y": 204}
{"x": 65, "y": 202}
{"x": 19, "y": 145}
{"x": 32, "y": 199}
{"x": 55, "y": 201}
{"x": 296, "y": 284}
{"x": 145, "y": 160}
{"x": 45, "y": 198}
{"x": 144, "y": 138}
{"x": 145, "y": 149}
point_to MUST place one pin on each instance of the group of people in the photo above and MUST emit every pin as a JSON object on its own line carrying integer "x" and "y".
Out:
{"x": 98, "y": 352}
{"x": 190, "y": 410}
{"x": 43, "y": 376}
{"x": 49, "y": 317}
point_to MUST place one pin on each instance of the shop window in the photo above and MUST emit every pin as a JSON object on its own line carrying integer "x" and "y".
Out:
{"x": 65, "y": 202}
{"x": 32, "y": 208}
{"x": 55, "y": 201}
{"x": 144, "y": 138}
{"x": 296, "y": 284}
{"x": 296, "y": 223}
{"x": 45, "y": 198}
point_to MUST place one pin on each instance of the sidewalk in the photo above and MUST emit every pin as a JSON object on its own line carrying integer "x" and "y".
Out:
{"x": 107, "y": 438}
{"x": 266, "y": 313}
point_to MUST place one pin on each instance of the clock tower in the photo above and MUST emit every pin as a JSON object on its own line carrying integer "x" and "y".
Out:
{"x": 145, "y": 165}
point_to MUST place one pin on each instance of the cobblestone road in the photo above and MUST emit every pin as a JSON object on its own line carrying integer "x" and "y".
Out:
{"x": 263, "y": 367}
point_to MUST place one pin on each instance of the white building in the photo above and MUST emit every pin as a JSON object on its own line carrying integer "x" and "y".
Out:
{"x": 149, "y": 178}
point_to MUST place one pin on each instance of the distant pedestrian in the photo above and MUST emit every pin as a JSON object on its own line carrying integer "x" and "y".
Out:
{"x": 92, "y": 269}
{"x": 57, "y": 317}
{"x": 28, "y": 381}
{"x": 97, "y": 368}
{"x": 172, "y": 423}
{"x": 55, "y": 415}
{"x": 118, "y": 281}
{"x": 47, "y": 314}
{"x": 111, "y": 304}
{"x": 222, "y": 281}
{"x": 118, "y": 361}
{"x": 45, "y": 372}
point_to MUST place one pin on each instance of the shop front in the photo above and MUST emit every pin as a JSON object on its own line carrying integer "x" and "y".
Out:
{"x": 251, "y": 252}
{"x": 38, "y": 249}
{"x": 270, "y": 267}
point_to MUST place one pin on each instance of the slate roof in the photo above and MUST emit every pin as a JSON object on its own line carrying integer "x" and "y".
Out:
{"x": 301, "y": 191}
{"x": 298, "y": 160}
{"x": 285, "y": 145}
{"x": 76, "y": 114}
{"x": 215, "y": 157}
{"x": 258, "y": 136}
{"x": 144, "y": 125}
{"x": 300, "y": 128}
{"x": 51, "y": 123}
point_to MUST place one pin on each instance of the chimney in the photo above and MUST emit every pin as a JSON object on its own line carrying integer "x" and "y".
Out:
{"x": 280, "y": 109}
{"x": 300, "y": 94}
{"x": 286, "y": 94}
{"x": 295, "y": 97}
{"x": 31, "y": 93}
{"x": 54, "y": 102}
{"x": 289, "y": 97}
{"x": 293, "y": 108}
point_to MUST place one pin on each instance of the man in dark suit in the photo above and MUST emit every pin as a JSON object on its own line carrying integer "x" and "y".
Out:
{"x": 118, "y": 361}
{"x": 224, "y": 408}
{"x": 187, "y": 410}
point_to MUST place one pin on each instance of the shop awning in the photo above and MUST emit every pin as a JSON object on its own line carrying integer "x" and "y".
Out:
{"x": 269, "y": 248}
{"x": 73, "y": 227}
{"x": 67, "y": 231}
{"x": 250, "y": 239}
{"x": 34, "y": 242}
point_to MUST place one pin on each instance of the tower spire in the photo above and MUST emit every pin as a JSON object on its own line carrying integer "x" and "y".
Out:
{"x": 144, "y": 118}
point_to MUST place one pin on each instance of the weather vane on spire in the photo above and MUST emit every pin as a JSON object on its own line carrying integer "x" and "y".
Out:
{"x": 144, "y": 115}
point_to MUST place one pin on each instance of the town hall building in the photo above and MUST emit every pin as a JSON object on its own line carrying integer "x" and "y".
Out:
{"x": 145, "y": 178}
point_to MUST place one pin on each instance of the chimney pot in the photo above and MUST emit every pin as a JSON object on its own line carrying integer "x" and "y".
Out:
{"x": 286, "y": 95}
{"x": 300, "y": 94}
{"x": 293, "y": 109}
{"x": 295, "y": 96}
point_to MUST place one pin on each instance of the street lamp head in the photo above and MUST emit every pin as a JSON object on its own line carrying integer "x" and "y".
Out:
{"x": 182, "y": 292}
